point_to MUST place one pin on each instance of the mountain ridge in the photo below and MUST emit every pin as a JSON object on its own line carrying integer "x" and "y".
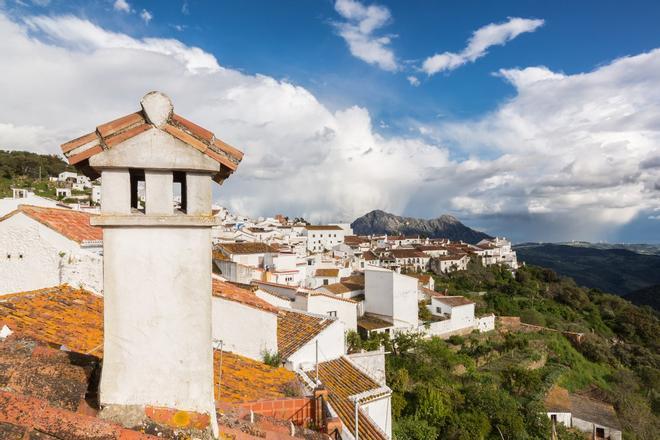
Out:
{"x": 445, "y": 226}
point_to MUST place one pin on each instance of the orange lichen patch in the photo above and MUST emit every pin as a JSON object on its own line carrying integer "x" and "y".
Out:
{"x": 245, "y": 380}
{"x": 74, "y": 225}
{"x": 295, "y": 329}
{"x": 178, "y": 419}
{"x": 231, "y": 292}
{"x": 58, "y": 315}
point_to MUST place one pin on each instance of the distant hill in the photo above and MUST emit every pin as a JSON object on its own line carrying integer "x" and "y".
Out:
{"x": 445, "y": 226}
{"x": 618, "y": 271}
{"x": 23, "y": 169}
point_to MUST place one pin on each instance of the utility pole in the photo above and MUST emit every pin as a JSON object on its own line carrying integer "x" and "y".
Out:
{"x": 317, "y": 361}
{"x": 220, "y": 374}
{"x": 357, "y": 431}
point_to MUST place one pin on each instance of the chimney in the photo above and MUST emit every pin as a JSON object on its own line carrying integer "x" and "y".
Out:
{"x": 157, "y": 259}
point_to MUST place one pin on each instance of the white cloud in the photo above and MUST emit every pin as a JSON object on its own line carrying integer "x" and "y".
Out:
{"x": 570, "y": 152}
{"x": 358, "y": 32}
{"x": 146, "y": 16}
{"x": 490, "y": 35}
{"x": 122, "y": 5}
{"x": 413, "y": 80}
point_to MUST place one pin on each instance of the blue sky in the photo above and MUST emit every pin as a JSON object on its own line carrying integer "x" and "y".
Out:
{"x": 474, "y": 124}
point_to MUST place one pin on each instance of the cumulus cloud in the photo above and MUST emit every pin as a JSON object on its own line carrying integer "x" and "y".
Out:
{"x": 493, "y": 34}
{"x": 358, "y": 32}
{"x": 413, "y": 80}
{"x": 122, "y": 5}
{"x": 567, "y": 152}
{"x": 146, "y": 16}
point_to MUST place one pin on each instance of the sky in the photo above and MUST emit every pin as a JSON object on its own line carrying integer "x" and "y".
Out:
{"x": 539, "y": 121}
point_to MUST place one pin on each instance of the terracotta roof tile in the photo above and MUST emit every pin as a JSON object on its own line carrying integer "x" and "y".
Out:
{"x": 453, "y": 301}
{"x": 231, "y": 292}
{"x": 370, "y": 322}
{"x": 343, "y": 380}
{"x": 59, "y": 315}
{"x": 107, "y": 135}
{"x": 295, "y": 329}
{"x": 246, "y": 380}
{"x": 246, "y": 248}
{"x": 74, "y": 225}
{"x": 323, "y": 228}
{"x": 326, "y": 273}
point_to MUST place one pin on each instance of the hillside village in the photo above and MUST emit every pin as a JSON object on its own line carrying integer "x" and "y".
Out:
{"x": 116, "y": 270}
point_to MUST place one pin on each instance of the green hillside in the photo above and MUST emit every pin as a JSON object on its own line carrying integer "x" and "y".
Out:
{"x": 491, "y": 386}
{"x": 29, "y": 170}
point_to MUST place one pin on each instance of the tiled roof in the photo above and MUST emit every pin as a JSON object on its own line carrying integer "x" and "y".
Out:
{"x": 369, "y": 256}
{"x": 355, "y": 239}
{"x": 295, "y": 329}
{"x": 74, "y": 225}
{"x": 247, "y": 248}
{"x": 370, "y": 322}
{"x": 59, "y": 315}
{"x": 326, "y": 273}
{"x": 451, "y": 257}
{"x": 74, "y": 318}
{"x": 323, "y": 228}
{"x": 453, "y": 301}
{"x": 343, "y": 380}
{"x": 343, "y": 287}
{"x": 231, "y": 292}
{"x": 408, "y": 253}
{"x": 106, "y": 136}
{"x": 245, "y": 380}
{"x": 423, "y": 278}
{"x": 559, "y": 399}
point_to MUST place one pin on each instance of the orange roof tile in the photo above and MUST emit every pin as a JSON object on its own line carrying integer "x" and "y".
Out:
{"x": 74, "y": 225}
{"x": 343, "y": 380}
{"x": 295, "y": 329}
{"x": 323, "y": 228}
{"x": 231, "y": 292}
{"x": 326, "y": 273}
{"x": 245, "y": 380}
{"x": 249, "y": 247}
{"x": 107, "y": 135}
{"x": 74, "y": 318}
{"x": 59, "y": 315}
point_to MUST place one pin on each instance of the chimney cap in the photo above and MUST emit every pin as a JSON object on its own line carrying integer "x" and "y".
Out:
{"x": 157, "y": 108}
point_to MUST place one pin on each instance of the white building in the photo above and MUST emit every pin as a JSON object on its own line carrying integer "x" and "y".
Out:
{"x": 454, "y": 315}
{"x": 23, "y": 196}
{"x": 157, "y": 277}
{"x": 449, "y": 263}
{"x": 497, "y": 251}
{"x": 391, "y": 297}
{"x": 322, "y": 303}
{"x": 242, "y": 322}
{"x": 323, "y": 238}
{"x": 44, "y": 247}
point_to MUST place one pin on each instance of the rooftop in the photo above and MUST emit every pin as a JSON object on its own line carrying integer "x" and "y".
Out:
{"x": 295, "y": 329}
{"x": 232, "y": 292}
{"x": 151, "y": 116}
{"x": 559, "y": 399}
{"x": 453, "y": 301}
{"x": 343, "y": 380}
{"x": 370, "y": 322}
{"x": 74, "y": 225}
{"x": 408, "y": 253}
{"x": 247, "y": 248}
{"x": 323, "y": 228}
{"x": 343, "y": 287}
{"x": 326, "y": 273}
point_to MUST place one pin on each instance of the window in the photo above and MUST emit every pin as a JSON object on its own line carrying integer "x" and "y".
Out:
{"x": 309, "y": 262}
{"x": 333, "y": 313}
{"x": 553, "y": 418}
{"x": 438, "y": 310}
{"x": 137, "y": 188}
{"x": 325, "y": 282}
{"x": 600, "y": 432}
{"x": 179, "y": 189}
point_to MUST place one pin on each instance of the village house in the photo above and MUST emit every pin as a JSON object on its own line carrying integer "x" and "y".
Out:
{"x": 321, "y": 238}
{"x": 449, "y": 263}
{"x": 390, "y": 298}
{"x": 24, "y": 196}
{"x": 41, "y": 247}
{"x": 596, "y": 418}
{"x": 410, "y": 260}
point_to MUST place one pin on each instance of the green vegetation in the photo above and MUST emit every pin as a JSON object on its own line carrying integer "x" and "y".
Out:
{"x": 491, "y": 386}
{"x": 271, "y": 358}
{"x": 29, "y": 170}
